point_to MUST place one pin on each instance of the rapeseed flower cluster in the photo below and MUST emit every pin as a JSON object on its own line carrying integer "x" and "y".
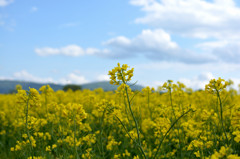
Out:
{"x": 171, "y": 122}
{"x": 120, "y": 73}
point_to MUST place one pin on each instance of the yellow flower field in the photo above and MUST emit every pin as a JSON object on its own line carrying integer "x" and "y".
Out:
{"x": 171, "y": 122}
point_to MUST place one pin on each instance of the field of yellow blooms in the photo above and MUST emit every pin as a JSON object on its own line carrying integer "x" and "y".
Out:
{"x": 173, "y": 122}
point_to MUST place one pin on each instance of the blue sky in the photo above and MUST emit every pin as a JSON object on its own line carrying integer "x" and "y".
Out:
{"x": 78, "y": 42}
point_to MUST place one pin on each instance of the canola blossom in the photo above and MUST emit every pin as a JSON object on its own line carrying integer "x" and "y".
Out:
{"x": 171, "y": 122}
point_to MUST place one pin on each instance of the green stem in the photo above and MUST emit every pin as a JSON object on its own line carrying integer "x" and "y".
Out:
{"x": 139, "y": 146}
{"x": 101, "y": 133}
{"x": 221, "y": 114}
{"x": 135, "y": 121}
{"x": 169, "y": 131}
{"x": 126, "y": 110}
{"x": 136, "y": 124}
{"x": 130, "y": 108}
{"x": 75, "y": 129}
{"x": 26, "y": 124}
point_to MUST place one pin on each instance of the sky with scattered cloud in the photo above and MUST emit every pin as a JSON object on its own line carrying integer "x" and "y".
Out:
{"x": 191, "y": 41}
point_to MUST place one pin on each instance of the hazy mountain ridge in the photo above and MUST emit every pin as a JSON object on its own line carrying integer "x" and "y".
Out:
{"x": 7, "y": 86}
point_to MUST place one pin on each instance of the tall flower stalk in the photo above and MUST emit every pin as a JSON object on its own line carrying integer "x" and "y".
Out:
{"x": 216, "y": 87}
{"x": 31, "y": 99}
{"x": 122, "y": 75}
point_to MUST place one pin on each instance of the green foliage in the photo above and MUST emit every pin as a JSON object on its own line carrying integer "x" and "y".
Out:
{"x": 73, "y": 87}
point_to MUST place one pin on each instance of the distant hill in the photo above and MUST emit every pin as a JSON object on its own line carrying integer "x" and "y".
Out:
{"x": 7, "y": 86}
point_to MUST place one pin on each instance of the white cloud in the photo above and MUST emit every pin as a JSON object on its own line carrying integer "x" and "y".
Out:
{"x": 25, "y": 76}
{"x": 199, "y": 81}
{"x": 225, "y": 2}
{"x": 147, "y": 40}
{"x": 209, "y": 46}
{"x": 70, "y": 50}
{"x": 73, "y": 78}
{"x": 4, "y": 3}
{"x": 47, "y": 51}
{"x": 153, "y": 44}
{"x": 154, "y": 84}
{"x": 216, "y": 20}
{"x": 179, "y": 66}
{"x": 227, "y": 51}
{"x": 236, "y": 82}
{"x": 195, "y": 18}
{"x": 103, "y": 78}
